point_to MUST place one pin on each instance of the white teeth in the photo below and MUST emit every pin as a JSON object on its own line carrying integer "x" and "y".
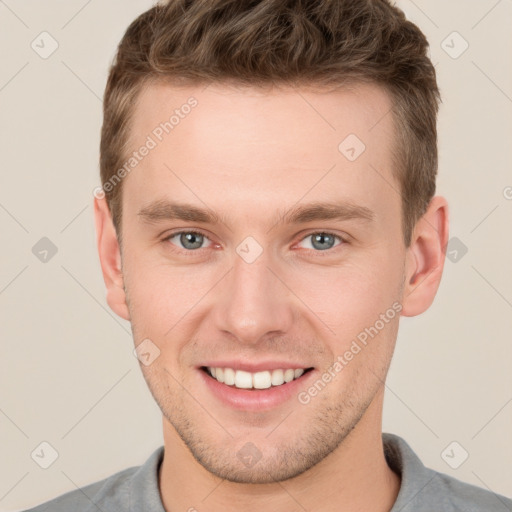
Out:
{"x": 289, "y": 375}
{"x": 261, "y": 380}
{"x": 258, "y": 380}
{"x": 298, "y": 373}
{"x": 229, "y": 376}
{"x": 277, "y": 377}
{"x": 243, "y": 379}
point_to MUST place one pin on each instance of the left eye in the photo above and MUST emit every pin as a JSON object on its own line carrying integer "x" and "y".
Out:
{"x": 321, "y": 241}
{"x": 189, "y": 240}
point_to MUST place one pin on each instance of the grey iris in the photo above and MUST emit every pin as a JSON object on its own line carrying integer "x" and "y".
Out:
{"x": 322, "y": 241}
{"x": 191, "y": 240}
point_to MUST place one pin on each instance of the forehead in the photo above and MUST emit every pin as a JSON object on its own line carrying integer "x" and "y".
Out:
{"x": 256, "y": 114}
{"x": 232, "y": 144}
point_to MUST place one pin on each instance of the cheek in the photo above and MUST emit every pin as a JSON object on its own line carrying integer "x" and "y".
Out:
{"x": 162, "y": 297}
{"x": 351, "y": 296}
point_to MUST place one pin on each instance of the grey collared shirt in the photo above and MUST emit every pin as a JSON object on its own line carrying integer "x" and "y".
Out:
{"x": 422, "y": 489}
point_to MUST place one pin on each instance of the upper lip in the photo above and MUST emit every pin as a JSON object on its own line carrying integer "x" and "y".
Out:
{"x": 254, "y": 367}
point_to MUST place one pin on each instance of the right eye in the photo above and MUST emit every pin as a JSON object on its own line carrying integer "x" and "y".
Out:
{"x": 187, "y": 240}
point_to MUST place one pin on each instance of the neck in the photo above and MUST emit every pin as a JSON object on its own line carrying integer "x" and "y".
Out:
{"x": 354, "y": 477}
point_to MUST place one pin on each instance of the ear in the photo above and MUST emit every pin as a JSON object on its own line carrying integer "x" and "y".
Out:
{"x": 110, "y": 258}
{"x": 425, "y": 258}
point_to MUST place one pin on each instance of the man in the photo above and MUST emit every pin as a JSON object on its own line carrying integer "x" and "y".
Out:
{"x": 267, "y": 214}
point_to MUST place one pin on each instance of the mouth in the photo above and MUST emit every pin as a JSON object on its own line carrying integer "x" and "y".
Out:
{"x": 253, "y": 381}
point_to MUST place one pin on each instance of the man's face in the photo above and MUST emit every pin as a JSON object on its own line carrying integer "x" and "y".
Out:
{"x": 256, "y": 290}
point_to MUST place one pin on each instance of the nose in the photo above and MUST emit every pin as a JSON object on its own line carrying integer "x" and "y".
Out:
{"x": 254, "y": 302}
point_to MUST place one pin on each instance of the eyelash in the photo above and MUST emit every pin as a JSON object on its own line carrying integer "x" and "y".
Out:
{"x": 194, "y": 232}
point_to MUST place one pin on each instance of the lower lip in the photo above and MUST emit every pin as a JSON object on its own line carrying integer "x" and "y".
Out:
{"x": 255, "y": 399}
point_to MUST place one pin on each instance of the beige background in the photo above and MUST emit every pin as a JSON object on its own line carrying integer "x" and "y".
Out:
{"x": 68, "y": 375}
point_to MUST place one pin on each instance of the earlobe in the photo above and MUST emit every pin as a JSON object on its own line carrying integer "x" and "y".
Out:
{"x": 110, "y": 258}
{"x": 425, "y": 258}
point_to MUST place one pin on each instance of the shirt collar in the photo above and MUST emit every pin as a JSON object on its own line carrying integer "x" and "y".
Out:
{"x": 145, "y": 491}
{"x": 403, "y": 461}
{"x": 144, "y": 488}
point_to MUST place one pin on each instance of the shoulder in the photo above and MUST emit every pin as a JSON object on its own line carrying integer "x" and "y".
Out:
{"x": 116, "y": 493}
{"x": 112, "y": 491}
{"x": 450, "y": 492}
{"x": 422, "y": 489}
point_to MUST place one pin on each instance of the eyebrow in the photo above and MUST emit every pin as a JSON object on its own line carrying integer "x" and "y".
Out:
{"x": 326, "y": 211}
{"x": 164, "y": 210}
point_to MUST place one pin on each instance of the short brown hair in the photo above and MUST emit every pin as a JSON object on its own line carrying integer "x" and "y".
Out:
{"x": 282, "y": 42}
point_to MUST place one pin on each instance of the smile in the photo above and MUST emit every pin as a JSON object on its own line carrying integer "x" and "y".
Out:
{"x": 258, "y": 380}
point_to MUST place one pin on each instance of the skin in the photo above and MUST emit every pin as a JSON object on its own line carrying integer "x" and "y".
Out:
{"x": 249, "y": 155}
